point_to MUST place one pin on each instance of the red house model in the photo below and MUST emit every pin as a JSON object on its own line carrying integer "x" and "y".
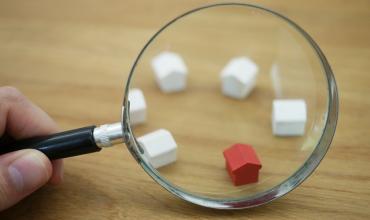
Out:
{"x": 242, "y": 164}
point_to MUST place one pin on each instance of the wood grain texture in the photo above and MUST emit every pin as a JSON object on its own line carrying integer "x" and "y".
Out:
{"x": 72, "y": 57}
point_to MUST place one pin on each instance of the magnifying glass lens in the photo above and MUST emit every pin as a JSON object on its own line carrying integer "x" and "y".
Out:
{"x": 205, "y": 119}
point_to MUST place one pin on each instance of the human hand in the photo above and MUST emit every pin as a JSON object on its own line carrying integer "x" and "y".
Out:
{"x": 22, "y": 172}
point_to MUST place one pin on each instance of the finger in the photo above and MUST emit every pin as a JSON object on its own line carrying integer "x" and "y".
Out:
{"x": 24, "y": 171}
{"x": 20, "y": 117}
{"x": 57, "y": 176}
{"x": 21, "y": 173}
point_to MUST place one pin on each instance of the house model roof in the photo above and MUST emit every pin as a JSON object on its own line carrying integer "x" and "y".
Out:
{"x": 242, "y": 69}
{"x": 167, "y": 63}
{"x": 241, "y": 155}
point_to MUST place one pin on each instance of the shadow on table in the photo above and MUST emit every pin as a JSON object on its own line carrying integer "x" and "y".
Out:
{"x": 78, "y": 198}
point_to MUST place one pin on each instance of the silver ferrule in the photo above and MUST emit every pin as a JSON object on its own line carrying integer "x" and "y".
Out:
{"x": 108, "y": 135}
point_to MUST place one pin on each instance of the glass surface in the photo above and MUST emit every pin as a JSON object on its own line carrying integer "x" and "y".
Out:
{"x": 204, "y": 122}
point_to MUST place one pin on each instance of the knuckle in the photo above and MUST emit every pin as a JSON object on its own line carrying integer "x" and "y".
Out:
{"x": 11, "y": 94}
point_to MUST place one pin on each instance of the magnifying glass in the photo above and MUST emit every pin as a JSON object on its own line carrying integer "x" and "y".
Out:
{"x": 214, "y": 113}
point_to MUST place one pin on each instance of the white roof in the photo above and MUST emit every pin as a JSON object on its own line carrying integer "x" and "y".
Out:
{"x": 168, "y": 63}
{"x": 241, "y": 68}
{"x": 157, "y": 143}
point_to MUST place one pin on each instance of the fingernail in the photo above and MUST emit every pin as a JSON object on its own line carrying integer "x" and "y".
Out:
{"x": 28, "y": 172}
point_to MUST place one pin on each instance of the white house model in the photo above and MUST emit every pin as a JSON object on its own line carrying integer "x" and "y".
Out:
{"x": 137, "y": 106}
{"x": 289, "y": 117}
{"x": 170, "y": 72}
{"x": 239, "y": 77}
{"x": 159, "y": 147}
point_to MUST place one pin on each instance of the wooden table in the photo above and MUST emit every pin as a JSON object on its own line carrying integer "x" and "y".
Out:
{"x": 71, "y": 57}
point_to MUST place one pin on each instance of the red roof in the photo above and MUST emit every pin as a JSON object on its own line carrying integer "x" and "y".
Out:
{"x": 242, "y": 154}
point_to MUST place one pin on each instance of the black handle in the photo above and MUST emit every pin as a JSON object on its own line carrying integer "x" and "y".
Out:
{"x": 60, "y": 145}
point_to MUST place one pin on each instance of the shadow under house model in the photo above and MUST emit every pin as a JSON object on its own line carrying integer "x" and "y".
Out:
{"x": 242, "y": 163}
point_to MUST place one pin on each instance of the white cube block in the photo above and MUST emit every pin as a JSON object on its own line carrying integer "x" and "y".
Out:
{"x": 170, "y": 72}
{"x": 137, "y": 106}
{"x": 239, "y": 77}
{"x": 159, "y": 147}
{"x": 289, "y": 117}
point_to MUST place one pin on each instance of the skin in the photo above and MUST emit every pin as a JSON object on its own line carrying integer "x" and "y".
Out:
{"x": 23, "y": 172}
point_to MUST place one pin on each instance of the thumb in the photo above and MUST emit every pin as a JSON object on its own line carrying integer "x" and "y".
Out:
{"x": 21, "y": 173}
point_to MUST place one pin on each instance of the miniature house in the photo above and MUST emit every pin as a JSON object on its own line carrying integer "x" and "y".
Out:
{"x": 242, "y": 164}
{"x": 170, "y": 72}
{"x": 239, "y": 77}
{"x": 159, "y": 148}
{"x": 137, "y": 106}
{"x": 289, "y": 117}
